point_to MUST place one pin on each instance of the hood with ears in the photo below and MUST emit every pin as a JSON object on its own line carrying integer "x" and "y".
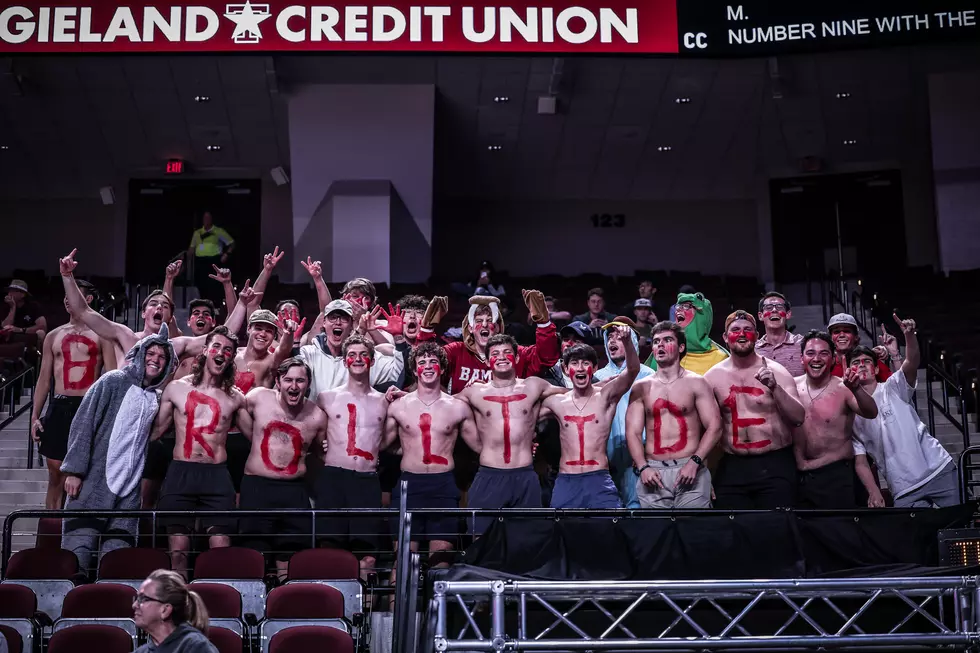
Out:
{"x": 612, "y": 369}
{"x": 469, "y": 339}
{"x": 135, "y": 366}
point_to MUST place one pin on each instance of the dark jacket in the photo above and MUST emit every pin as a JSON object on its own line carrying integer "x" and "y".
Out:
{"x": 185, "y": 639}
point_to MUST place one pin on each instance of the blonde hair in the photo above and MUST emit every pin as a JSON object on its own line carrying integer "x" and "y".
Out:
{"x": 187, "y": 606}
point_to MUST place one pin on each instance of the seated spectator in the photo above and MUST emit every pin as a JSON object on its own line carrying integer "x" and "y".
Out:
{"x": 645, "y": 319}
{"x": 918, "y": 470}
{"x": 24, "y": 321}
{"x": 558, "y": 317}
{"x": 173, "y": 616}
{"x": 778, "y": 343}
{"x": 483, "y": 284}
{"x": 644, "y": 290}
{"x": 597, "y": 315}
{"x": 694, "y": 313}
{"x": 843, "y": 329}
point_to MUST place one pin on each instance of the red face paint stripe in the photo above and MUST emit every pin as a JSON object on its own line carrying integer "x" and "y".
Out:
{"x": 580, "y": 421}
{"x": 505, "y": 411}
{"x": 659, "y": 406}
{"x": 425, "y": 426}
{"x": 743, "y": 422}
{"x": 296, "y": 439}
{"x": 192, "y": 432}
{"x": 88, "y": 376}
{"x": 352, "y": 449}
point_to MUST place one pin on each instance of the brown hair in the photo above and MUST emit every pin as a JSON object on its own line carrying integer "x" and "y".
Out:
{"x": 413, "y": 303}
{"x": 428, "y": 348}
{"x": 157, "y": 293}
{"x": 363, "y": 285}
{"x": 357, "y": 339}
{"x": 186, "y": 606}
{"x": 676, "y": 329}
{"x": 228, "y": 375}
{"x": 289, "y": 364}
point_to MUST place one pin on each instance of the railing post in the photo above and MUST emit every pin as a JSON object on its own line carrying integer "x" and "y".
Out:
{"x": 403, "y": 565}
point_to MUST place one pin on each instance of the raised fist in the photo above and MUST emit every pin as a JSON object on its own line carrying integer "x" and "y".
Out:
{"x": 536, "y": 306}
{"x": 435, "y": 311}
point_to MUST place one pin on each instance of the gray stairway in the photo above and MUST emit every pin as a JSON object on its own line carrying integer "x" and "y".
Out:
{"x": 20, "y": 487}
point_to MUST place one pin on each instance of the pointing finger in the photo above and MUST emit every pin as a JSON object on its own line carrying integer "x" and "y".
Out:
{"x": 765, "y": 365}
{"x": 897, "y": 319}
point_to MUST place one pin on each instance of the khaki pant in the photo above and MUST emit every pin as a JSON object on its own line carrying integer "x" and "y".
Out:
{"x": 698, "y": 495}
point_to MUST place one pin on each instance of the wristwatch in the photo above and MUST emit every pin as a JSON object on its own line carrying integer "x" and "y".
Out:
{"x": 698, "y": 460}
{"x": 639, "y": 470}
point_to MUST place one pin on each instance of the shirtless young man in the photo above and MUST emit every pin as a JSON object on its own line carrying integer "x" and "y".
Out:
{"x": 824, "y": 445}
{"x": 255, "y": 365}
{"x": 157, "y": 310}
{"x": 427, "y": 422}
{"x": 203, "y": 407}
{"x": 760, "y": 408}
{"x": 506, "y": 412}
{"x": 585, "y": 418}
{"x": 75, "y": 357}
{"x": 683, "y": 424}
{"x": 356, "y": 414}
{"x": 284, "y": 425}
{"x": 200, "y": 321}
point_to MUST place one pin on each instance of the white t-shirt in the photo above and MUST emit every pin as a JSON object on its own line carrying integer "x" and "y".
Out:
{"x": 906, "y": 453}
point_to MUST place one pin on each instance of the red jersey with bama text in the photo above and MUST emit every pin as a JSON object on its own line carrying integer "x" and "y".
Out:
{"x": 464, "y": 365}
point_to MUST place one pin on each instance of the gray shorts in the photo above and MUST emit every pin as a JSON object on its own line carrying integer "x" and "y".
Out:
{"x": 698, "y": 495}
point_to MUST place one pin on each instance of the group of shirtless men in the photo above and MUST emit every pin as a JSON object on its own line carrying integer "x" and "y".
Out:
{"x": 747, "y": 405}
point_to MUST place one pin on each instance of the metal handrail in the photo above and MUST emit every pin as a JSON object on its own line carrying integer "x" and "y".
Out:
{"x": 6, "y": 394}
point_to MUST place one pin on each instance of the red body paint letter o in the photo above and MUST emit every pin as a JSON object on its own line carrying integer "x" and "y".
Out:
{"x": 352, "y": 449}
{"x": 580, "y": 421}
{"x": 741, "y": 422}
{"x": 425, "y": 426}
{"x": 89, "y": 364}
{"x": 192, "y": 432}
{"x": 505, "y": 411}
{"x": 659, "y": 406}
{"x": 295, "y": 437}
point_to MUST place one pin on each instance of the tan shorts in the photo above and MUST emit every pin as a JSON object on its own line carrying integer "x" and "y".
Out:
{"x": 698, "y": 495}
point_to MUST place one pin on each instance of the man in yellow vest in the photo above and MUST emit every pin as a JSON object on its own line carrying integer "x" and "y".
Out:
{"x": 209, "y": 248}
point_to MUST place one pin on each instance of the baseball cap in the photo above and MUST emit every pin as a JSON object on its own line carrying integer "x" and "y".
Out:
{"x": 263, "y": 316}
{"x": 642, "y": 302}
{"x": 341, "y": 305}
{"x": 19, "y": 284}
{"x": 739, "y": 315}
{"x": 579, "y": 328}
{"x": 842, "y": 319}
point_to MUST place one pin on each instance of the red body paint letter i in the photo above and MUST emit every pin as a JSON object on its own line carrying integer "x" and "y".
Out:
{"x": 743, "y": 422}
{"x": 352, "y": 449}
{"x": 89, "y": 364}
{"x": 505, "y": 411}
{"x": 195, "y": 433}
{"x": 425, "y": 426}
{"x": 580, "y": 421}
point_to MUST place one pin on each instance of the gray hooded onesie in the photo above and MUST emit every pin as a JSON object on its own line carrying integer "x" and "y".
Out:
{"x": 107, "y": 449}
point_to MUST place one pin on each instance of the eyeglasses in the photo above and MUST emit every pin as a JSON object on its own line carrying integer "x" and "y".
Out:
{"x": 141, "y": 598}
{"x": 774, "y": 307}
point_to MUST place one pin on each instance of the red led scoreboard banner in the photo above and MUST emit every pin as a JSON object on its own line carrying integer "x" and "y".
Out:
{"x": 620, "y": 26}
{"x": 709, "y": 28}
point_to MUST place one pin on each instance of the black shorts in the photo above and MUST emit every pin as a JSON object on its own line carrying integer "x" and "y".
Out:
{"x": 338, "y": 489}
{"x": 389, "y": 471}
{"x": 429, "y": 491}
{"x": 756, "y": 482}
{"x": 197, "y": 486}
{"x": 57, "y": 425}
{"x": 284, "y": 534}
{"x": 159, "y": 455}
{"x": 495, "y": 488}
{"x": 830, "y": 487}
{"x": 238, "y": 447}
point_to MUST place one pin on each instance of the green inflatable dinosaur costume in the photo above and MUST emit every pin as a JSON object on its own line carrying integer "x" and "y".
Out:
{"x": 694, "y": 313}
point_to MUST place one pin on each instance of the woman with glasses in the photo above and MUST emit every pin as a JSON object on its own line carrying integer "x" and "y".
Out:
{"x": 173, "y": 616}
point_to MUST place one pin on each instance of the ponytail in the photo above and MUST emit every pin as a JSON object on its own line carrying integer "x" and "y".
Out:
{"x": 196, "y": 612}
{"x": 187, "y": 606}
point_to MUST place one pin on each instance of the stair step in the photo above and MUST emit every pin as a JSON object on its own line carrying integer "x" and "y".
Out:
{"x": 14, "y": 462}
{"x": 36, "y": 474}
{"x": 13, "y": 498}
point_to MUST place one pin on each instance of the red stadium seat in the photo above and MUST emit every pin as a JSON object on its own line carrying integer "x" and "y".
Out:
{"x": 48, "y": 533}
{"x": 42, "y": 564}
{"x": 230, "y": 562}
{"x": 323, "y": 564}
{"x": 132, "y": 564}
{"x": 17, "y": 602}
{"x": 15, "y": 643}
{"x": 222, "y": 601}
{"x": 311, "y": 638}
{"x": 103, "y": 600}
{"x": 305, "y": 601}
{"x": 91, "y": 637}
{"x": 226, "y": 641}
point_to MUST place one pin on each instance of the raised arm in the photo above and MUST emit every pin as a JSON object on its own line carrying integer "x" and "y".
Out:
{"x": 434, "y": 312}
{"x": 269, "y": 263}
{"x": 223, "y": 276}
{"x": 910, "y": 367}
{"x": 313, "y": 268}
{"x": 860, "y": 402}
{"x": 103, "y": 327}
{"x": 622, "y": 382}
{"x": 546, "y": 350}
{"x": 42, "y": 388}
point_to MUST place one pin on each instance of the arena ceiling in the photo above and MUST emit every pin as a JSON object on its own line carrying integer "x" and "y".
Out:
{"x": 627, "y": 128}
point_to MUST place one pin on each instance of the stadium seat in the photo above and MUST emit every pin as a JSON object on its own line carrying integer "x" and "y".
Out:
{"x": 237, "y": 567}
{"x": 311, "y": 638}
{"x": 305, "y": 601}
{"x": 48, "y": 533}
{"x": 91, "y": 637}
{"x": 131, "y": 566}
{"x": 97, "y": 601}
{"x": 222, "y": 601}
{"x": 17, "y": 606}
{"x": 48, "y": 572}
{"x": 225, "y": 640}
{"x": 323, "y": 564}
